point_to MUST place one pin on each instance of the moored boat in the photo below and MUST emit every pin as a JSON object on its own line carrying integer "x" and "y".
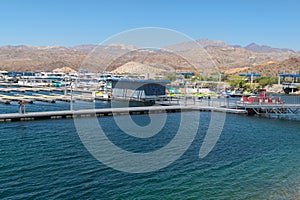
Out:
{"x": 261, "y": 98}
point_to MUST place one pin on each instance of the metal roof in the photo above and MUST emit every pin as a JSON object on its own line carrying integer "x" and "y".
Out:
{"x": 290, "y": 75}
{"x": 138, "y": 80}
{"x": 186, "y": 73}
{"x": 251, "y": 74}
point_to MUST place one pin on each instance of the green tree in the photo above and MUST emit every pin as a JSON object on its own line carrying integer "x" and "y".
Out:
{"x": 171, "y": 77}
{"x": 237, "y": 81}
{"x": 266, "y": 80}
{"x": 198, "y": 78}
{"x": 225, "y": 77}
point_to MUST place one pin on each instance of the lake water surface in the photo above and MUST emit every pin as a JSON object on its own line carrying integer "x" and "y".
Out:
{"x": 254, "y": 158}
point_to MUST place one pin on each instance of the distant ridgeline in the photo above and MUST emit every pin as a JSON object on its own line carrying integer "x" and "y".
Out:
{"x": 204, "y": 57}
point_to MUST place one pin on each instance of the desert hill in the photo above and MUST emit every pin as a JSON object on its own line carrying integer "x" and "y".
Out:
{"x": 271, "y": 68}
{"x": 206, "y": 56}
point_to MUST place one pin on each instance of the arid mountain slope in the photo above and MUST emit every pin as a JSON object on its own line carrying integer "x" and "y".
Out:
{"x": 201, "y": 55}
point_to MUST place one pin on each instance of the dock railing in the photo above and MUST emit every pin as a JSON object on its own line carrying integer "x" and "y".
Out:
{"x": 235, "y": 103}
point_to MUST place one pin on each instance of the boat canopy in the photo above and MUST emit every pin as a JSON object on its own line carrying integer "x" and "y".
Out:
{"x": 250, "y": 74}
{"x": 290, "y": 75}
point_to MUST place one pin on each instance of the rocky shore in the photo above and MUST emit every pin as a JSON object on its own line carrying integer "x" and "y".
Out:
{"x": 277, "y": 89}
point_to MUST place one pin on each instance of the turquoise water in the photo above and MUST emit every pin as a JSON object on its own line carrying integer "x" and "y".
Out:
{"x": 254, "y": 158}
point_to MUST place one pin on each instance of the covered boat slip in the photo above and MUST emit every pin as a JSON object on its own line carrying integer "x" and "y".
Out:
{"x": 141, "y": 90}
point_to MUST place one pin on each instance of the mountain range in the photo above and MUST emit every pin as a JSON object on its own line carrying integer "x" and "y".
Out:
{"x": 202, "y": 55}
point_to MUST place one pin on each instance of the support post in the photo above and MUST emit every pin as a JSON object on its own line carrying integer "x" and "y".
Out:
{"x": 71, "y": 102}
{"x": 185, "y": 98}
{"x": 65, "y": 92}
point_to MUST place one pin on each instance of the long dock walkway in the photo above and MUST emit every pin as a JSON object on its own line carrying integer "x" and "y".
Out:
{"x": 111, "y": 111}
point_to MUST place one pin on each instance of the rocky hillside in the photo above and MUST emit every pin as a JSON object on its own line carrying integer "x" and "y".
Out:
{"x": 221, "y": 55}
{"x": 32, "y": 58}
{"x": 271, "y": 68}
{"x": 139, "y": 68}
{"x": 265, "y": 49}
{"x": 201, "y": 55}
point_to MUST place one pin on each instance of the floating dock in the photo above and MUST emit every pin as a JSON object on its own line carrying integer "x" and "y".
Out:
{"x": 3, "y": 101}
{"x": 52, "y": 98}
{"x": 20, "y": 88}
{"x": 78, "y": 94}
{"x": 8, "y": 99}
{"x": 260, "y": 109}
{"x": 110, "y": 111}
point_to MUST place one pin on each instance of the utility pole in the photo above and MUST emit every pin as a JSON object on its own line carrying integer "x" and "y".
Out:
{"x": 65, "y": 92}
{"x": 185, "y": 98}
{"x": 71, "y": 103}
{"x": 219, "y": 83}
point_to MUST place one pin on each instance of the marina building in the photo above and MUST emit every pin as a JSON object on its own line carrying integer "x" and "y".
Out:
{"x": 141, "y": 90}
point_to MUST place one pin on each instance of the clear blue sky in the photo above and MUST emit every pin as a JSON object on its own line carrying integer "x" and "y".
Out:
{"x": 72, "y": 22}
